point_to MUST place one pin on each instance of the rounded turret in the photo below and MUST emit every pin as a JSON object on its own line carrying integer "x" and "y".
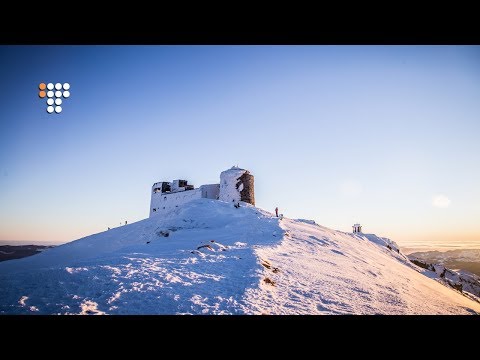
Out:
{"x": 236, "y": 185}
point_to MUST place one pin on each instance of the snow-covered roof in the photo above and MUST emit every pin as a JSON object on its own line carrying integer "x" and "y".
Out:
{"x": 234, "y": 167}
{"x": 233, "y": 172}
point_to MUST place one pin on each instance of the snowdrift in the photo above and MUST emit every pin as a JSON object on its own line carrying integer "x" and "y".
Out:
{"x": 209, "y": 257}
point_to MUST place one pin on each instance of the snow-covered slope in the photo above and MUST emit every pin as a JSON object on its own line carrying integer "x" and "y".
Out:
{"x": 212, "y": 258}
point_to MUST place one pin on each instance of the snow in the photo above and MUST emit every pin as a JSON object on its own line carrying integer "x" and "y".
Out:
{"x": 22, "y": 300}
{"x": 164, "y": 203}
{"x": 23, "y": 303}
{"x": 90, "y": 308}
{"x": 218, "y": 259}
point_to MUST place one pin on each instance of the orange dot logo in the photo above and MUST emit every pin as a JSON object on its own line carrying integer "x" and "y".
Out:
{"x": 54, "y": 98}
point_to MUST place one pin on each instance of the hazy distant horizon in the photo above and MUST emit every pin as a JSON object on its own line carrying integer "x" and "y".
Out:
{"x": 31, "y": 242}
{"x": 406, "y": 247}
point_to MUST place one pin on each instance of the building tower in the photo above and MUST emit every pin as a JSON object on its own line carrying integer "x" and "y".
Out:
{"x": 236, "y": 185}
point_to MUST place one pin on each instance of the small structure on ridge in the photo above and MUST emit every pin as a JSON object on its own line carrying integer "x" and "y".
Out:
{"x": 357, "y": 228}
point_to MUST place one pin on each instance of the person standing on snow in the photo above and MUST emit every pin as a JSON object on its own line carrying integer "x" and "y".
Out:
{"x": 276, "y": 211}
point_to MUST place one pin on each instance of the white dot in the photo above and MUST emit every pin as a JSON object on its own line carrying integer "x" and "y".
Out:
{"x": 50, "y": 101}
{"x": 66, "y": 94}
{"x": 50, "y": 86}
{"x": 58, "y": 109}
{"x": 58, "y": 86}
{"x": 50, "y": 109}
{"x": 58, "y": 101}
{"x": 50, "y": 94}
{"x": 58, "y": 94}
{"x": 66, "y": 86}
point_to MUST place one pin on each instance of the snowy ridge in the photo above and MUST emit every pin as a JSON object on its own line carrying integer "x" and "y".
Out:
{"x": 342, "y": 273}
{"x": 212, "y": 258}
{"x": 464, "y": 281}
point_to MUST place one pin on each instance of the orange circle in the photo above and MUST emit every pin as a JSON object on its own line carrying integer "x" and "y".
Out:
{"x": 42, "y": 86}
{"x": 42, "y": 94}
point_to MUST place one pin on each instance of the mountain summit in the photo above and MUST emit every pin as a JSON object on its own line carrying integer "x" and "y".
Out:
{"x": 211, "y": 257}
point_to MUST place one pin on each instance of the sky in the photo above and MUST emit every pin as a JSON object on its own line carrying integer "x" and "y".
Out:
{"x": 386, "y": 136}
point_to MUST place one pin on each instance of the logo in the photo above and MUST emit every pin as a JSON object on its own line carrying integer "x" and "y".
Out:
{"x": 54, "y": 98}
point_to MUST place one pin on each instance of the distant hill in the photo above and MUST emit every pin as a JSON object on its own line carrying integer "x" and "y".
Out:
{"x": 9, "y": 252}
{"x": 459, "y": 259}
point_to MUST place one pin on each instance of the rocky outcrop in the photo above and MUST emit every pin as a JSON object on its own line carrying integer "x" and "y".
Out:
{"x": 462, "y": 281}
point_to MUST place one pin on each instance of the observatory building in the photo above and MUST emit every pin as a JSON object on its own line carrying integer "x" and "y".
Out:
{"x": 235, "y": 185}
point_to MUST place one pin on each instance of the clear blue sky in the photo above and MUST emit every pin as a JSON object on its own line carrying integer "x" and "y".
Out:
{"x": 384, "y": 135}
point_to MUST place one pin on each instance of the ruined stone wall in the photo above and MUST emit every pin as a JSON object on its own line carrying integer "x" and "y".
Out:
{"x": 246, "y": 186}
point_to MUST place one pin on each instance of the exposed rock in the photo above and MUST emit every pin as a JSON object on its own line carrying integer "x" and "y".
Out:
{"x": 269, "y": 281}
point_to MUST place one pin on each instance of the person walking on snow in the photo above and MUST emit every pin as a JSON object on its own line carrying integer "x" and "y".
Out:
{"x": 276, "y": 211}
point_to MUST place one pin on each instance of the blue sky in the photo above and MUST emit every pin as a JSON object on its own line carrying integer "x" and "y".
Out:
{"x": 340, "y": 134}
